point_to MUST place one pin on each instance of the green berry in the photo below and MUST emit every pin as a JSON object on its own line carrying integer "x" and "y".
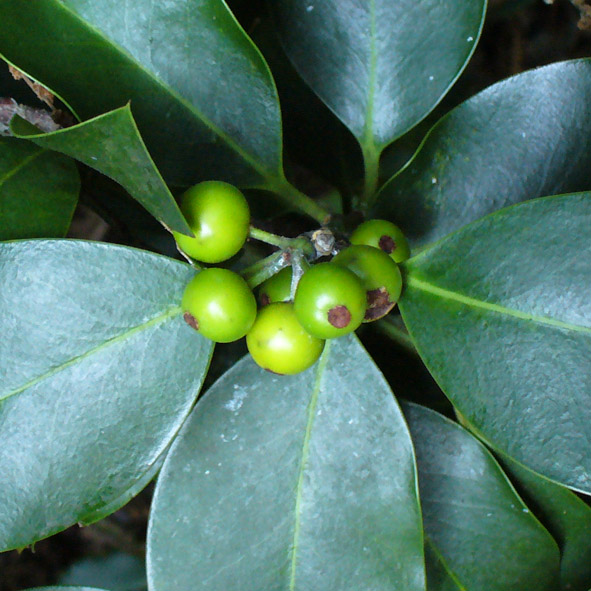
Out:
{"x": 278, "y": 342}
{"x": 219, "y": 304}
{"x": 329, "y": 301}
{"x": 219, "y": 216}
{"x": 276, "y": 288}
{"x": 379, "y": 275}
{"x": 383, "y": 235}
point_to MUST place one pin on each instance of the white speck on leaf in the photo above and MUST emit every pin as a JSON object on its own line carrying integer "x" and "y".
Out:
{"x": 309, "y": 8}
{"x": 237, "y": 401}
{"x": 470, "y": 39}
{"x": 434, "y": 181}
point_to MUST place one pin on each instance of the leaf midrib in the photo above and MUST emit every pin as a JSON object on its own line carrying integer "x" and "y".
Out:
{"x": 303, "y": 463}
{"x": 452, "y": 575}
{"x": 170, "y": 313}
{"x": 22, "y": 164}
{"x": 413, "y": 281}
{"x": 237, "y": 148}
{"x": 368, "y": 140}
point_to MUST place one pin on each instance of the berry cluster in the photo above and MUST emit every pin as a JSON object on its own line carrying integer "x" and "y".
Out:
{"x": 286, "y": 335}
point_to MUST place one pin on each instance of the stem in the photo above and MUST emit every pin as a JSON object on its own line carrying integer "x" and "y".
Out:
{"x": 371, "y": 158}
{"x": 265, "y": 268}
{"x": 397, "y": 334}
{"x": 268, "y": 238}
{"x": 282, "y": 242}
{"x": 298, "y": 266}
{"x": 295, "y": 198}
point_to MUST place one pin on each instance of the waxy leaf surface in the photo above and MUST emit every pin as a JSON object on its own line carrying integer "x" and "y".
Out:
{"x": 302, "y": 482}
{"x": 569, "y": 520}
{"x": 500, "y": 313}
{"x": 58, "y": 588}
{"x": 38, "y": 191}
{"x": 479, "y": 535}
{"x": 98, "y": 372}
{"x": 112, "y": 145}
{"x": 526, "y": 137}
{"x": 380, "y": 66}
{"x": 202, "y": 95}
{"x": 116, "y": 571}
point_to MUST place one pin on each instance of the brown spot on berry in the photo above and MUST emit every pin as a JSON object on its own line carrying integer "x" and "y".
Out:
{"x": 274, "y": 372}
{"x": 387, "y": 244}
{"x": 191, "y": 320}
{"x": 264, "y": 299}
{"x": 339, "y": 316}
{"x": 378, "y": 304}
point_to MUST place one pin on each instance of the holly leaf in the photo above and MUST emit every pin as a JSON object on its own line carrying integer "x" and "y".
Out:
{"x": 202, "y": 94}
{"x": 68, "y": 588}
{"x": 99, "y": 371}
{"x": 380, "y": 66}
{"x": 111, "y": 144}
{"x": 525, "y": 137}
{"x": 500, "y": 314}
{"x": 569, "y": 520}
{"x": 290, "y": 482}
{"x": 479, "y": 534}
{"x": 116, "y": 572}
{"x": 38, "y": 191}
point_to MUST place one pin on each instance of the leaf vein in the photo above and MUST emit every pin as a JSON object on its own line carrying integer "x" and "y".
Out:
{"x": 305, "y": 451}
{"x": 491, "y": 307}
{"x": 223, "y": 135}
{"x": 444, "y": 564}
{"x": 22, "y": 164}
{"x": 170, "y": 313}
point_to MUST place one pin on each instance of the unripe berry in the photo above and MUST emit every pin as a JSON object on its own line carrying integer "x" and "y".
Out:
{"x": 219, "y": 304}
{"x": 219, "y": 216}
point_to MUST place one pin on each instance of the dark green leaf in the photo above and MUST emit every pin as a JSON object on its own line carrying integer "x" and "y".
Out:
{"x": 38, "y": 191}
{"x": 500, "y": 313}
{"x": 99, "y": 371}
{"x": 569, "y": 520}
{"x": 201, "y": 93}
{"x": 116, "y": 572}
{"x": 528, "y": 136}
{"x": 286, "y": 483}
{"x": 479, "y": 534}
{"x": 334, "y": 153}
{"x": 64, "y": 589}
{"x": 112, "y": 145}
{"x": 380, "y": 66}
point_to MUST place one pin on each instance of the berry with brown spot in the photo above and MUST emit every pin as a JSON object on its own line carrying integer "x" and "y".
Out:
{"x": 384, "y": 235}
{"x": 219, "y": 304}
{"x": 329, "y": 301}
{"x": 379, "y": 275}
